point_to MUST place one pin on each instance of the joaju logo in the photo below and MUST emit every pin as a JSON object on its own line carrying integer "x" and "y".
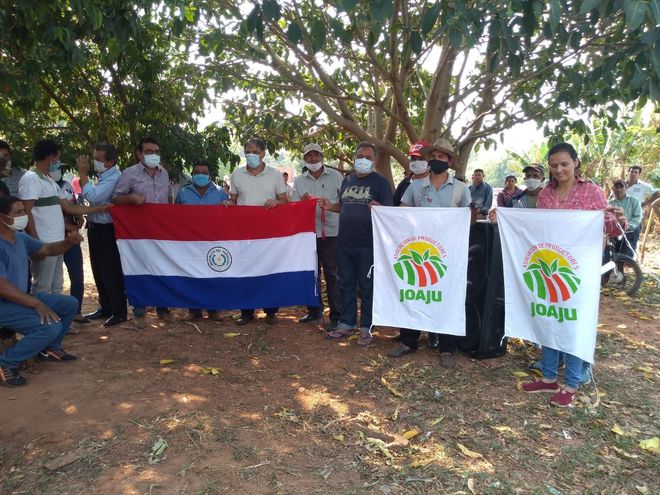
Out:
{"x": 550, "y": 275}
{"x": 420, "y": 262}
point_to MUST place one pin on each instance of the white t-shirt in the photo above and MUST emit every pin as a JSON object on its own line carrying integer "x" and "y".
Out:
{"x": 641, "y": 191}
{"x": 255, "y": 190}
{"x": 47, "y": 211}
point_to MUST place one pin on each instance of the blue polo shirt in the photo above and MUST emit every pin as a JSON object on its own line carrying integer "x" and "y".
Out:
{"x": 14, "y": 259}
{"x": 189, "y": 195}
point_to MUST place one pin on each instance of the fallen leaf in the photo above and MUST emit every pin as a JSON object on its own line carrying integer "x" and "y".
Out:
{"x": 395, "y": 414}
{"x": 645, "y": 369}
{"x": 643, "y": 489}
{"x": 617, "y": 429}
{"x": 624, "y": 453}
{"x": 389, "y": 387}
{"x": 339, "y": 438}
{"x": 210, "y": 371}
{"x": 651, "y": 445}
{"x": 622, "y": 325}
{"x": 470, "y": 485}
{"x": 215, "y": 371}
{"x": 504, "y": 429}
{"x": 601, "y": 325}
{"x": 437, "y": 420}
{"x": 297, "y": 377}
{"x": 229, "y": 335}
{"x": 158, "y": 451}
{"x": 411, "y": 433}
{"x": 352, "y": 337}
{"x": 166, "y": 361}
{"x": 520, "y": 374}
{"x": 467, "y": 452}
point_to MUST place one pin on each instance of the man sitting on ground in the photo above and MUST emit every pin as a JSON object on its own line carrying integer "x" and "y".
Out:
{"x": 42, "y": 319}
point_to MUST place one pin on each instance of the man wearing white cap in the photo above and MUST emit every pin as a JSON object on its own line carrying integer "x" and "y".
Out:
{"x": 319, "y": 181}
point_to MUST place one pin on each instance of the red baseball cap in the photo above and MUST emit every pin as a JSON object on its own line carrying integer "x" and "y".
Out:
{"x": 416, "y": 149}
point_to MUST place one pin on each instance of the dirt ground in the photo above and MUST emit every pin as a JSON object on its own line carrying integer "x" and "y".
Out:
{"x": 281, "y": 410}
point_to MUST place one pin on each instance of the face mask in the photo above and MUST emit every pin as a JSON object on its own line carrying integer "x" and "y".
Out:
{"x": 363, "y": 165}
{"x": 438, "y": 166}
{"x": 8, "y": 165}
{"x": 419, "y": 166}
{"x": 55, "y": 166}
{"x": 19, "y": 223}
{"x": 56, "y": 175}
{"x": 314, "y": 167}
{"x": 99, "y": 167}
{"x": 201, "y": 180}
{"x": 532, "y": 184}
{"x": 151, "y": 161}
{"x": 252, "y": 160}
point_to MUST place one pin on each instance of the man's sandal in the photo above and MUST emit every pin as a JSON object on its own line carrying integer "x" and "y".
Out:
{"x": 339, "y": 334}
{"x": 11, "y": 377}
{"x": 57, "y": 356}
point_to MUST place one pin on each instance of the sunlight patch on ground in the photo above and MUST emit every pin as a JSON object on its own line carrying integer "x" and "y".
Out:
{"x": 311, "y": 399}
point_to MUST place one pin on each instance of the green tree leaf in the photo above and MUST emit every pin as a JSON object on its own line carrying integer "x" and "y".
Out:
{"x": 430, "y": 18}
{"x": 635, "y": 10}
{"x": 294, "y": 33}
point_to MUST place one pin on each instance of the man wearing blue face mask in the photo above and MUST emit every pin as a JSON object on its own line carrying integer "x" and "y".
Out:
{"x": 44, "y": 203}
{"x": 360, "y": 191}
{"x": 202, "y": 191}
{"x": 256, "y": 185}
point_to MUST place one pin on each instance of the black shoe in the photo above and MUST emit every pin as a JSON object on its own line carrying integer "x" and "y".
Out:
{"x": 82, "y": 320}
{"x": 434, "y": 341}
{"x": 271, "y": 318}
{"x": 244, "y": 320}
{"x": 114, "y": 320}
{"x": 308, "y": 318}
{"x": 11, "y": 377}
{"x": 57, "y": 356}
{"x": 401, "y": 350}
{"x": 99, "y": 314}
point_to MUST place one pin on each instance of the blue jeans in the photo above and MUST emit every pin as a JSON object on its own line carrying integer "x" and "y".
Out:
{"x": 73, "y": 259}
{"x": 575, "y": 372}
{"x": 354, "y": 265}
{"x": 36, "y": 336}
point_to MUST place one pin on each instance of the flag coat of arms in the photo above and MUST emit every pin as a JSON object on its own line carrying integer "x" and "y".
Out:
{"x": 214, "y": 257}
{"x": 552, "y": 262}
{"x": 420, "y": 268}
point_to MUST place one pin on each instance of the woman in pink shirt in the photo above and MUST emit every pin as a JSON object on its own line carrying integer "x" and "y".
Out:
{"x": 567, "y": 191}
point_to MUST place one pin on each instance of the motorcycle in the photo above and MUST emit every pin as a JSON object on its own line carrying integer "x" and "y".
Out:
{"x": 620, "y": 272}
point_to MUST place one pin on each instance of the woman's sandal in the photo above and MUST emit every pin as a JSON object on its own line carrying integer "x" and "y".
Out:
{"x": 11, "y": 377}
{"x": 339, "y": 334}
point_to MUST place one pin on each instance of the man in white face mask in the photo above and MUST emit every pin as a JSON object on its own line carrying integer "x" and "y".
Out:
{"x": 42, "y": 319}
{"x": 256, "y": 184}
{"x": 534, "y": 177}
{"x": 45, "y": 204}
{"x": 145, "y": 182}
{"x": 418, "y": 168}
{"x": 360, "y": 191}
{"x": 319, "y": 181}
{"x": 9, "y": 172}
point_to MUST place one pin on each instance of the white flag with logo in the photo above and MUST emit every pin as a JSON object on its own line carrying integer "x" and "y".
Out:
{"x": 420, "y": 268}
{"x": 552, "y": 261}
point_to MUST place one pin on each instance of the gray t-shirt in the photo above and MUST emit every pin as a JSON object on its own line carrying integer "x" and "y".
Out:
{"x": 328, "y": 185}
{"x": 451, "y": 194}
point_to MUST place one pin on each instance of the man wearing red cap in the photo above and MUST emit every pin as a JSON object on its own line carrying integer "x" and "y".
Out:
{"x": 418, "y": 169}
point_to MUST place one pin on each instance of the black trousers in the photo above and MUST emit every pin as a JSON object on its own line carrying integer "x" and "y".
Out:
{"x": 106, "y": 268}
{"x": 326, "y": 250}
{"x": 410, "y": 338}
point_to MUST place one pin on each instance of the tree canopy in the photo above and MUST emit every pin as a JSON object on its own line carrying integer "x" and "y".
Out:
{"x": 393, "y": 71}
{"x": 83, "y": 71}
{"x": 387, "y": 71}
